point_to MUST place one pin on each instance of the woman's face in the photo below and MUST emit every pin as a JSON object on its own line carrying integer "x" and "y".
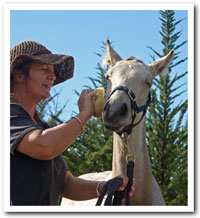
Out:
{"x": 40, "y": 80}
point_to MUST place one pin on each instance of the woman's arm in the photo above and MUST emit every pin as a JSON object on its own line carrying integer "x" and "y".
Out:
{"x": 49, "y": 143}
{"x": 80, "y": 189}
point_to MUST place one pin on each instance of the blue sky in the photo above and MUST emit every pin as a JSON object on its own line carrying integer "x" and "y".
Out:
{"x": 80, "y": 32}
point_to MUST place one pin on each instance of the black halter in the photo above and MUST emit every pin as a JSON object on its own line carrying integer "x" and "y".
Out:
{"x": 132, "y": 97}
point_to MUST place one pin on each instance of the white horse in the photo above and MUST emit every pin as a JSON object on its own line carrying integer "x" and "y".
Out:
{"x": 118, "y": 111}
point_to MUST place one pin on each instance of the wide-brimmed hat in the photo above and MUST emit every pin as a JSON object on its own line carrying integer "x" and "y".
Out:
{"x": 34, "y": 51}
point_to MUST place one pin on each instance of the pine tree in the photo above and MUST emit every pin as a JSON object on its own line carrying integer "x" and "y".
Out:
{"x": 166, "y": 126}
{"x": 91, "y": 151}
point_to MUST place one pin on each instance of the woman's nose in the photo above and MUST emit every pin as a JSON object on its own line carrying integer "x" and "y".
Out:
{"x": 52, "y": 76}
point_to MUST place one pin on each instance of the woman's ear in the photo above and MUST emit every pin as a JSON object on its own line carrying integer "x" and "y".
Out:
{"x": 18, "y": 76}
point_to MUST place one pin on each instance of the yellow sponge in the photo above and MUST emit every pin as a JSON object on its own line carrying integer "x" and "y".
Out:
{"x": 99, "y": 101}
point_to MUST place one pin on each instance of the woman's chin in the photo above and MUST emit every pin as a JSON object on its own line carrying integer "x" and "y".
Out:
{"x": 46, "y": 96}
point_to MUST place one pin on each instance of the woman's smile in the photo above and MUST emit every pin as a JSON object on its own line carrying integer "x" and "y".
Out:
{"x": 46, "y": 90}
{"x": 48, "y": 87}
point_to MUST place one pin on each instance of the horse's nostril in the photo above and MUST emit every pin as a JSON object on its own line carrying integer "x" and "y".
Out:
{"x": 111, "y": 112}
{"x": 123, "y": 110}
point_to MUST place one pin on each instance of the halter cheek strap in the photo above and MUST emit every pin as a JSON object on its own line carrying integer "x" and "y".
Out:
{"x": 128, "y": 129}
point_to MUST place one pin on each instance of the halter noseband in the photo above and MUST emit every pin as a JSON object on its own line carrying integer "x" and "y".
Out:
{"x": 128, "y": 129}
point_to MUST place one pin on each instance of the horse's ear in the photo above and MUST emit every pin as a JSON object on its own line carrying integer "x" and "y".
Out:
{"x": 160, "y": 66}
{"x": 111, "y": 57}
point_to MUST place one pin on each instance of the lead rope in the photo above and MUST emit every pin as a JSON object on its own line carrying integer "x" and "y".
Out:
{"x": 112, "y": 185}
{"x": 130, "y": 165}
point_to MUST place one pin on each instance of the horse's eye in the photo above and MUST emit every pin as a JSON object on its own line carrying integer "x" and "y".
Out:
{"x": 148, "y": 83}
{"x": 107, "y": 77}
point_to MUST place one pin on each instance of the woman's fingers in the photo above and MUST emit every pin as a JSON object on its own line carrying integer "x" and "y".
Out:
{"x": 125, "y": 182}
{"x": 133, "y": 187}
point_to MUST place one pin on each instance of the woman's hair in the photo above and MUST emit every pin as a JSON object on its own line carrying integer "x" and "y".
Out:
{"x": 24, "y": 68}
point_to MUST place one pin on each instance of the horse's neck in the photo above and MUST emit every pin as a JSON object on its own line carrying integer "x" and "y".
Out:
{"x": 138, "y": 148}
{"x": 142, "y": 169}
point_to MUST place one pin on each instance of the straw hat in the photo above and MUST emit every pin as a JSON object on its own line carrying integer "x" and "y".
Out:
{"x": 30, "y": 50}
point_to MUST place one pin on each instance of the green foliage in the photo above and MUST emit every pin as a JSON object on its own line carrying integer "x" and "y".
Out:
{"x": 166, "y": 129}
{"x": 92, "y": 150}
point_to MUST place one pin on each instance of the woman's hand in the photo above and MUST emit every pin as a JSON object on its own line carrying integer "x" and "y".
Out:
{"x": 125, "y": 182}
{"x": 85, "y": 103}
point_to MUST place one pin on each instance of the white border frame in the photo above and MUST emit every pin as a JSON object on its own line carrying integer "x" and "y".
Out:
{"x": 6, "y": 101}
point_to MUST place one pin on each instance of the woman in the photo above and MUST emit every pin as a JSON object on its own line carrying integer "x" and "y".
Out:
{"x": 39, "y": 175}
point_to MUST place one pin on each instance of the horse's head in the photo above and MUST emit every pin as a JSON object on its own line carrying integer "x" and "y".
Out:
{"x": 135, "y": 76}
